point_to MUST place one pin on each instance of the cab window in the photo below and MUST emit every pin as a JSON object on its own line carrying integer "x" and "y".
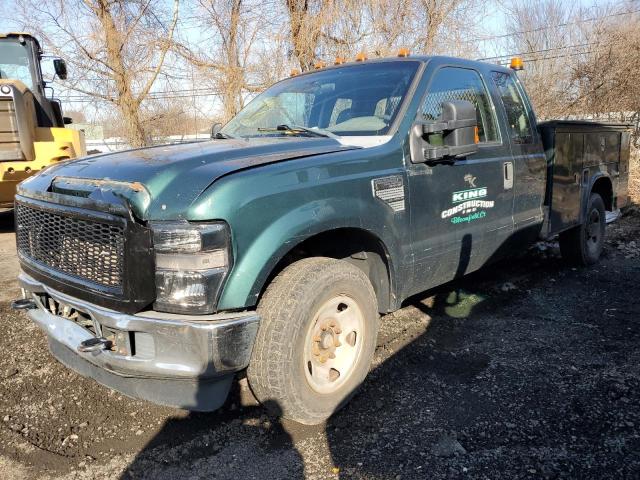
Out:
{"x": 354, "y": 100}
{"x": 15, "y": 63}
{"x": 515, "y": 108}
{"x": 453, "y": 83}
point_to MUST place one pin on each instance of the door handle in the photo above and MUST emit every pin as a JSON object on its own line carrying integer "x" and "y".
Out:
{"x": 508, "y": 175}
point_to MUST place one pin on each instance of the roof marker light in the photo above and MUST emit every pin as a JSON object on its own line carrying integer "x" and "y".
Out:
{"x": 516, "y": 64}
{"x": 361, "y": 57}
{"x": 403, "y": 52}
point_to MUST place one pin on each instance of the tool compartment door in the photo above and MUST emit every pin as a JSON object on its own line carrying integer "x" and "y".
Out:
{"x": 567, "y": 180}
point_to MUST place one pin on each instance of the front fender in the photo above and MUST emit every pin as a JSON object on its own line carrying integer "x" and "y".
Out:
{"x": 271, "y": 210}
{"x": 263, "y": 253}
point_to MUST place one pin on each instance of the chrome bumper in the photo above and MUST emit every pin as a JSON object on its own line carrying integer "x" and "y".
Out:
{"x": 176, "y": 357}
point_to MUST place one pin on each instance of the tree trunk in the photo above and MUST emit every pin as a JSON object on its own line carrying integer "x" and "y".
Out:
{"x": 234, "y": 80}
{"x": 304, "y": 32}
{"x": 127, "y": 103}
{"x": 136, "y": 133}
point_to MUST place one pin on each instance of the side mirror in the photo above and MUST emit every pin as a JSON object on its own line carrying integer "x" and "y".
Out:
{"x": 67, "y": 120}
{"x": 453, "y": 135}
{"x": 215, "y": 129}
{"x": 60, "y": 67}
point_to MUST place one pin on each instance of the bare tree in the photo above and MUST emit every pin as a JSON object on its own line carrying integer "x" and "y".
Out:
{"x": 307, "y": 18}
{"x": 117, "y": 49}
{"x": 433, "y": 15}
{"x": 606, "y": 80}
{"x": 545, "y": 33}
{"x": 380, "y": 27}
{"x": 225, "y": 58}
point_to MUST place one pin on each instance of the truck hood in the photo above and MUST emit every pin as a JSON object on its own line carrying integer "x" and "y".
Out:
{"x": 161, "y": 182}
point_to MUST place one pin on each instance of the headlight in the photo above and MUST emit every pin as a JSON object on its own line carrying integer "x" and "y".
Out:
{"x": 192, "y": 261}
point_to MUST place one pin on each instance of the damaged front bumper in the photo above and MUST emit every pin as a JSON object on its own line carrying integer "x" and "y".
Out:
{"x": 176, "y": 360}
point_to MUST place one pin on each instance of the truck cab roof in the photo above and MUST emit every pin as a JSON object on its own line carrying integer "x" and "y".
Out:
{"x": 440, "y": 59}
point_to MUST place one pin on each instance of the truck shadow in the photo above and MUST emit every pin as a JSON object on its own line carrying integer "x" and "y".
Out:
{"x": 405, "y": 389}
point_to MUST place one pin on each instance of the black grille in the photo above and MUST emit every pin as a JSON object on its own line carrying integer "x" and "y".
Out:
{"x": 85, "y": 249}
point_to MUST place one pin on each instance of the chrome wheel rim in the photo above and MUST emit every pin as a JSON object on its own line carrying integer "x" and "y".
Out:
{"x": 333, "y": 344}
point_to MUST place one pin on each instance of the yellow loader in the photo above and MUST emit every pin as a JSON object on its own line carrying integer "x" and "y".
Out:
{"x": 32, "y": 128}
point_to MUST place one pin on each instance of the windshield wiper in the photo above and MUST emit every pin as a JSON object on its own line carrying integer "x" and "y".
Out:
{"x": 316, "y": 132}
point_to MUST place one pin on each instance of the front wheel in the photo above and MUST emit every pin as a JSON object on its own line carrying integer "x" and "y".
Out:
{"x": 317, "y": 335}
{"x": 582, "y": 245}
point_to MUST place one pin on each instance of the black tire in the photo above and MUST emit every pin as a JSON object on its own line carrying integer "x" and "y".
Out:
{"x": 289, "y": 311}
{"x": 582, "y": 245}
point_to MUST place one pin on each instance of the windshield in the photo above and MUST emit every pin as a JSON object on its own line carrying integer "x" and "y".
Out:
{"x": 14, "y": 62}
{"x": 356, "y": 100}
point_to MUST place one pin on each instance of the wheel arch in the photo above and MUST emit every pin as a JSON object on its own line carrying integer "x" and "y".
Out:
{"x": 358, "y": 246}
{"x": 603, "y": 186}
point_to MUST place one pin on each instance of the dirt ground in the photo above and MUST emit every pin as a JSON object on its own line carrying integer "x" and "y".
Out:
{"x": 529, "y": 369}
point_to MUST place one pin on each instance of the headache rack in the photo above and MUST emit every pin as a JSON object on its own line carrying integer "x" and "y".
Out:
{"x": 99, "y": 257}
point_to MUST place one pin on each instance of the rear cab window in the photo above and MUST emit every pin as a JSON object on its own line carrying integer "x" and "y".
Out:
{"x": 515, "y": 107}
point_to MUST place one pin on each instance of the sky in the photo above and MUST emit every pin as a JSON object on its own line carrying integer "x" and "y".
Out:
{"x": 493, "y": 24}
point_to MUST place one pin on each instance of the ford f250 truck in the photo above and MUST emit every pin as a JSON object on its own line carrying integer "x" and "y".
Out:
{"x": 330, "y": 199}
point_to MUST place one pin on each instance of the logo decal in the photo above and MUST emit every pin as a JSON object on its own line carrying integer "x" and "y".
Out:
{"x": 468, "y": 205}
{"x": 470, "y": 194}
{"x": 470, "y": 179}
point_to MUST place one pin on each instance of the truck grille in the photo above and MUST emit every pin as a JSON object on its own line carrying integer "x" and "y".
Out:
{"x": 86, "y": 249}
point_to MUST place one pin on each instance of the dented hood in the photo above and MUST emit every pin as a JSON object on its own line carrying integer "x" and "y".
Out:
{"x": 167, "y": 177}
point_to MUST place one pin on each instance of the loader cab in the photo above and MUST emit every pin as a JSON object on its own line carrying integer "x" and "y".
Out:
{"x": 20, "y": 61}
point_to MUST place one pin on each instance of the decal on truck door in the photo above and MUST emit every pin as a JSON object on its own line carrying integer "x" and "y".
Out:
{"x": 470, "y": 179}
{"x": 468, "y": 205}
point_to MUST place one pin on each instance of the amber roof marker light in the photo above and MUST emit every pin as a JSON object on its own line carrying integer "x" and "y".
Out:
{"x": 516, "y": 64}
{"x": 361, "y": 57}
{"x": 340, "y": 61}
{"x": 294, "y": 72}
{"x": 404, "y": 52}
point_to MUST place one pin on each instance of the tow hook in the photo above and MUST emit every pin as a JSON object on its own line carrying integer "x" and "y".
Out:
{"x": 23, "y": 304}
{"x": 95, "y": 344}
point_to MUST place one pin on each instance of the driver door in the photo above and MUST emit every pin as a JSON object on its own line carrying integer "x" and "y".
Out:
{"x": 462, "y": 211}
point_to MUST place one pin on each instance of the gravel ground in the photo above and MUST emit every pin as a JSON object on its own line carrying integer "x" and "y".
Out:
{"x": 529, "y": 369}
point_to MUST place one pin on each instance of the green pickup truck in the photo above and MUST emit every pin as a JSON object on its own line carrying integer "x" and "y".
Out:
{"x": 331, "y": 198}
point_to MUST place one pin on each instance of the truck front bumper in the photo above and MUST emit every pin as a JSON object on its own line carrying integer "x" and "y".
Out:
{"x": 176, "y": 360}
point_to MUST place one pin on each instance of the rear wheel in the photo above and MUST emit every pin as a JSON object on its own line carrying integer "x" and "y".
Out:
{"x": 317, "y": 335}
{"x": 582, "y": 245}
